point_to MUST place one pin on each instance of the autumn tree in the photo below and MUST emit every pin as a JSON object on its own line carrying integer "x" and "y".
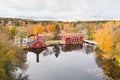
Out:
{"x": 50, "y": 28}
{"x": 38, "y": 28}
{"x": 104, "y": 37}
{"x": 67, "y": 26}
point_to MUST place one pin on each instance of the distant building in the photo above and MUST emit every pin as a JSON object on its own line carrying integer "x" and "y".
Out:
{"x": 25, "y": 41}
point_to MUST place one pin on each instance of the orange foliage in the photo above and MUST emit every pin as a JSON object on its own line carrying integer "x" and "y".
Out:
{"x": 104, "y": 37}
{"x": 38, "y": 28}
{"x": 117, "y": 23}
{"x": 50, "y": 28}
{"x": 7, "y": 28}
{"x": 108, "y": 43}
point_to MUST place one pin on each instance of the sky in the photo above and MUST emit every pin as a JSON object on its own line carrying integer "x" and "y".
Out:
{"x": 61, "y": 9}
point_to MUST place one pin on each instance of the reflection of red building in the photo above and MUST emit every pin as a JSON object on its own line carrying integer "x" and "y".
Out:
{"x": 37, "y": 43}
{"x": 71, "y": 38}
{"x": 71, "y": 47}
{"x": 37, "y": 51}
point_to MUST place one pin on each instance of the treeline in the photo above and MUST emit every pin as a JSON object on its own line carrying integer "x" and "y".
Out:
{"x": 24, "y": 22}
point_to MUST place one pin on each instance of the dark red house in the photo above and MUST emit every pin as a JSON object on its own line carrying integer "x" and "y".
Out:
{"x": 71, "y": 38}
{"x": 37, "y": 43}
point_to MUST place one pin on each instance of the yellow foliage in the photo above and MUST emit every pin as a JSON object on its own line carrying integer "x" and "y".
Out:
{"x": 104, "y": 37}
{"x": 118, "y": 46}
{"x": 117, "y": 23}
{"x": 3, "y": 75}
{"x": 38, "y": 29}
{"x": 11, "y": 52}
{"x": 50, "y": 28}
{"x": 72, "y": 30}
{"x": 117, "y": 57}
{"x": 67, "y": 26}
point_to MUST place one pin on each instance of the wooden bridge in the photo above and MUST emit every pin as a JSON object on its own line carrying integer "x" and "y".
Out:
{"x": 90, "y": 42}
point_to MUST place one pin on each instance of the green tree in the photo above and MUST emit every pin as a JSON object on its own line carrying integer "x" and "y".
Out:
{"x": 57, "y": 32}
{"x": 13, "y": 29}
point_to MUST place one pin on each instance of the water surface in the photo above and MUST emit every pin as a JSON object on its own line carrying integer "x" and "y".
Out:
{"x": 66, "y": 62}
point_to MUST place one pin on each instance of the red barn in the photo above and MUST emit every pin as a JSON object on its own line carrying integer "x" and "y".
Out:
{"x": 37, "y": 43}
{"x": 71, "y": 38}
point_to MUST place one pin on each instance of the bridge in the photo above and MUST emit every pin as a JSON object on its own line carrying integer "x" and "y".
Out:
{"x": 90, "y": 42}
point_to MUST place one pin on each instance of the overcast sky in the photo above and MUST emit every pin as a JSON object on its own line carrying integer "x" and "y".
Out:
{"x": 61, "y": 9}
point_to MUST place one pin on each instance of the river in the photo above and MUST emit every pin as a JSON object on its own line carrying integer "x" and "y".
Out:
{"x": 69, "y": 62}
{"x": 66, "y": 62}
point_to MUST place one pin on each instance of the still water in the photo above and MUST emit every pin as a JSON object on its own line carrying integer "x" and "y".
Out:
{"x": 66, "y": 62}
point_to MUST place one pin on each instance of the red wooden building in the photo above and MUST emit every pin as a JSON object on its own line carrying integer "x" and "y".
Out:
{"x": 71, "y": 38}
{"x": 37, "y": 43}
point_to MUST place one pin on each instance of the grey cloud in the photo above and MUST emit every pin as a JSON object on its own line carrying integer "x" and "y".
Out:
{"x": 61, "y": 9}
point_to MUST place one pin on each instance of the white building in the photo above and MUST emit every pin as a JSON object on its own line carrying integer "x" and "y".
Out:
{"x": 25, "y": 40}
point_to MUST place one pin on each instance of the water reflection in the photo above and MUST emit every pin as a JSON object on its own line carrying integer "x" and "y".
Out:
{"x": 10, "y": 64}
{"x": 47, "y": 52}
{"x": 37, "y": 51}
{"x": 71, "y": 47}
{"x": 89, "y": 48}
{"x": 73, "y": 66}
{"x": 22, "y": 66}
{"x": 21, "y": 76}
{"x": 55, "y": 49}
{"x": 109, "y": 67}
{"x": 89, "y": 67}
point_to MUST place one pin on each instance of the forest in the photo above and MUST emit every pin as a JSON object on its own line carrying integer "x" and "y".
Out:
{"x": 105, "y": 33}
